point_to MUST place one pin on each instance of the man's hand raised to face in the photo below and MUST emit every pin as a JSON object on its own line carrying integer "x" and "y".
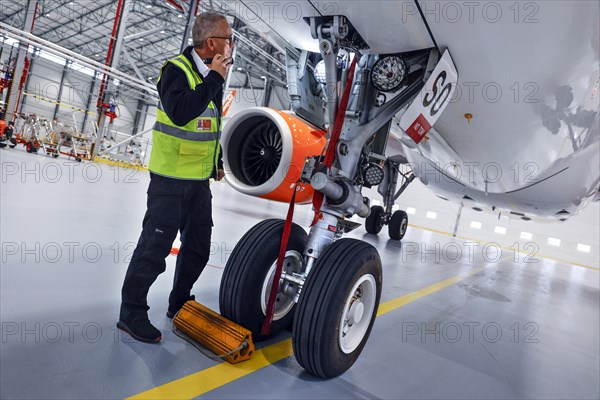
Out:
{"x": 221, "y": 64}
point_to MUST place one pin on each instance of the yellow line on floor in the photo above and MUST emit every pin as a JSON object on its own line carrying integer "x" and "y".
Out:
{"x": 401, "y": 301}
{"x": 503, "y": 247}
{"x": 120, "y": 164}
{"x": 206, "y": 380}
{"x": 569, "y": 262}
{"x": 211, "y": 378}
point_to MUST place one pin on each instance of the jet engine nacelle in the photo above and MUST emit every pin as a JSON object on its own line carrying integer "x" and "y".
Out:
{"x": 264, "y": 151}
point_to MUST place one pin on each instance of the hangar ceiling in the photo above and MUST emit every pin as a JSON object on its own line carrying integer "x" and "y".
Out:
{"x": 153, "y": 33}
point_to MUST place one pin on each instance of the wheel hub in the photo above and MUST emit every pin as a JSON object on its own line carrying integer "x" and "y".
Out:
{"x": 403, "y": 227}
{"x": 284, "y": 301}
{"x": 357, "y": 313}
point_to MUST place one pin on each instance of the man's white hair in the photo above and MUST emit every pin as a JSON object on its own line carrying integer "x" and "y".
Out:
{"x": 205, "y": 26}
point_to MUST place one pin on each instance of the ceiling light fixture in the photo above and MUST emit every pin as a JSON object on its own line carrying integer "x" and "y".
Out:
{"x": 526, "y": 235}
{"x": 585, "y": 248}
{"x": 476, "y": 224}
{"x": 554, "y": 242}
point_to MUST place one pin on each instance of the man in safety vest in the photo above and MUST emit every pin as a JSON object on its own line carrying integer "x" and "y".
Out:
{"x": 185, "y": 155}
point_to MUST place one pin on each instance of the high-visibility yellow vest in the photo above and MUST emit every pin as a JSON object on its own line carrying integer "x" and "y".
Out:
{"x": 190, "y": 151}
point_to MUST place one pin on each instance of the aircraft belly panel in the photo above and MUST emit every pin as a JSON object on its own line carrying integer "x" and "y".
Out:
{"x": 387, "y": 26}
{"x": 281, "y": 23}
{"x": 531, "y": 104}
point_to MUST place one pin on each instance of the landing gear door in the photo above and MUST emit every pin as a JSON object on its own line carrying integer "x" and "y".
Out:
{"x": 431, "y": 102}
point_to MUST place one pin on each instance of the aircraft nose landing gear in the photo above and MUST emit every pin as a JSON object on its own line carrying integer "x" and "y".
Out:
{"x": 330, "y": 286}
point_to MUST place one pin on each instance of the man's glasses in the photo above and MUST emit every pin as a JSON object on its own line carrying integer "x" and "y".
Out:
{"x": 228, "y": 38}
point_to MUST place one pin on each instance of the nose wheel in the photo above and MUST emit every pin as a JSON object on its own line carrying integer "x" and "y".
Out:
{"x": 375, "y": 221}
{"x": 397, "y": 223}
{"x": 248, "y": 277}
{"x": 337, "y": 308}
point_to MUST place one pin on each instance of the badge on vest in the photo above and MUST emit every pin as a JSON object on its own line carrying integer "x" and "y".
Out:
{"x": 204, "y": 125}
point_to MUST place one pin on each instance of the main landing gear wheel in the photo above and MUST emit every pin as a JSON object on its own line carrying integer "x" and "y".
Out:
{"x": 398, "y": 224}
{"x": 337, "y": 308}
{"x": 374, "y": 221}
{"x": 248, "y": 277}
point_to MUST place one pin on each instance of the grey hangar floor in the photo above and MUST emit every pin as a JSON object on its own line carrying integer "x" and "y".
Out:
{"x": 467, "y": 328}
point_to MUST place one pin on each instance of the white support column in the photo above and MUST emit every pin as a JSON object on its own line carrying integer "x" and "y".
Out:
{"x": 230, "y": 73}
{"x": 457, "y": 219}
{"x": 267, "y": 92}
{"x": 60, "y": 89}
{"x": 103, "y": 121}
{"x": 13, "y": 100}
{"x": 191, "y": 17}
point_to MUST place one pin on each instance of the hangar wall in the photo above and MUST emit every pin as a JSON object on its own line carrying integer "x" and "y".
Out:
{"x": 43, "y": 90}
{"x": 577, "y": 235}
{"x": 80, "y": 87}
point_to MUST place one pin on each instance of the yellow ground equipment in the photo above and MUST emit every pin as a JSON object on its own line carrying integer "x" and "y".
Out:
{"x": 202, "y": 326}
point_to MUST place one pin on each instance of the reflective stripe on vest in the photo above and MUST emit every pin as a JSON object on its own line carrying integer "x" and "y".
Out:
{"x": 190, "y": 151}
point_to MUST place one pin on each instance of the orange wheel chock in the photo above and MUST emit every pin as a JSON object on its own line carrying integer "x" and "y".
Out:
{"x": 224, "y": 338}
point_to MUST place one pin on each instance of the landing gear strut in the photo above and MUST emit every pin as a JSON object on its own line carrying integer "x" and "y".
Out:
{"x": 397, "y": 221}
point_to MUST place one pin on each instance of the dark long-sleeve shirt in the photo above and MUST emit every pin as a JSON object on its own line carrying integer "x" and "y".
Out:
{"x": 182, "y": 104}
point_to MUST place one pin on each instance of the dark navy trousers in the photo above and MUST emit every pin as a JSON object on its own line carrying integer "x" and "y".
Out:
{"x": 173, "y": 205}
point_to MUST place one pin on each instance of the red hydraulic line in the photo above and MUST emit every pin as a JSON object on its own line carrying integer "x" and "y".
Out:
{"x": 336, "y": 131}
{"x": 175, "y": 4}
{"x": 34, "y": 14}
{"x": 111, "y": 46}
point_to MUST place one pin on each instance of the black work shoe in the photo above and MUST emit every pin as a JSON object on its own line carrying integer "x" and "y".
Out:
{"x": 171, "y": 312}
{"x": 141, "y": 330}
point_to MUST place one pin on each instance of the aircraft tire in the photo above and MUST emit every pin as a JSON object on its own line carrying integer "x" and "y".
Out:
{"x": 398, "y": 225}
{"x": 337, "y": 308}
{"x": 373, "y": 223}
{"x": 244, "y": 290}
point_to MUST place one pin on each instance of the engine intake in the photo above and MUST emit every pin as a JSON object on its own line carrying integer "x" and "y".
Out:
{"x": 264, "y": 151}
